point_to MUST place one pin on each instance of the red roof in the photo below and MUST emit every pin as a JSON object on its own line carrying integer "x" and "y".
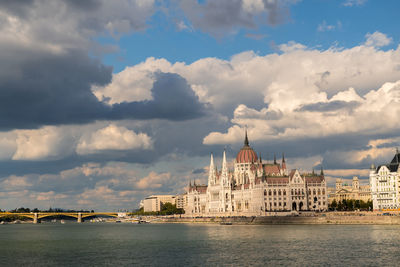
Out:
{"x": 277, "y": 180}
{"x": 270, "y": 169}
{"x": 246, "y": 155}
{"x": 314, "y": 179}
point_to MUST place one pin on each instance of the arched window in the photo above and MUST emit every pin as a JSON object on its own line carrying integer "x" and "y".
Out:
{"x": 292, "y": 192}
{"x": 314, "y": 192}
{"x": 274, "y": 192}
{"x": 279, "y": 192}
{"x": 302, "y": 191}
{"x": 309, "y": 191}
{"x": 284, "y": 192}
{"x": 265, "y": 192}
{"x": 323, "y": 191}
{"x": 270, "y": 192}
{"x": 319, "y": 192}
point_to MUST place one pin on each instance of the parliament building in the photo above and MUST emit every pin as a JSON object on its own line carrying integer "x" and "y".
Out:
{"x": 255, "y": 187}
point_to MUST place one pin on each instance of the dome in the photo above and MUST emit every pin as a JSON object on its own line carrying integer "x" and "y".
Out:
{"x": 246, "y": 154}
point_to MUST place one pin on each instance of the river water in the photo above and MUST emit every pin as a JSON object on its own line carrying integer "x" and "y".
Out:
{"x": 108, "y": 244}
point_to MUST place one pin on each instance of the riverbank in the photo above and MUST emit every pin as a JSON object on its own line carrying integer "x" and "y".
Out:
{"x": 366, "y": 218}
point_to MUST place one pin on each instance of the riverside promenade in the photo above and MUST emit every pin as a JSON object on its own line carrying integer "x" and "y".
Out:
{"x": 377, "y": 218}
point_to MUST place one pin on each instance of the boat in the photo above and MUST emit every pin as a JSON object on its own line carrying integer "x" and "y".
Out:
{"x": 62, "y": 222}
{"x": 225, "y": 223}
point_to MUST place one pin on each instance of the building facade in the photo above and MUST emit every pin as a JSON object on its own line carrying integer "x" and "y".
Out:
{"x": 385, "y": 184}
{"x": 155, "y": 202}
{"x": 354, "y": 191}
{"x": 255, "y": 188}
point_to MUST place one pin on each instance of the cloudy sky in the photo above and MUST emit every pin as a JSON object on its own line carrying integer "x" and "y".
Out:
{"x": 105, "y": 102}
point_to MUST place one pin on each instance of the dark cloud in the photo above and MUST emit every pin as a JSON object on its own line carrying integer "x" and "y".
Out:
{"x": 173, "y": 99}
{"x": 18, "y": 8}
{"x": 56, "y": 89}
{"x": 226, "y": 16}
{"x": 330, "y": 106}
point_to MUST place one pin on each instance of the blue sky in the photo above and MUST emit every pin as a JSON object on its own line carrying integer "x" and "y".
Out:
{"x": 345, "y": 26}
{"x": 106, "y": 102}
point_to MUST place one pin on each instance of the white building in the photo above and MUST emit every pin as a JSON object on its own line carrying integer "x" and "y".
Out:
{"x": 385, "y": 183}
{"x": 255, "y": 188}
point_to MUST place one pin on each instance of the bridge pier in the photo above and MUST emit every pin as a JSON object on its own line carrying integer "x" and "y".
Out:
{"x": 79, "y": 217}
{"x": 35, "y": 218}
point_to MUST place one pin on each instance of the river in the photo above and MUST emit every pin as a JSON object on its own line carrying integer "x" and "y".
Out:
{"x": 108, "y": 244}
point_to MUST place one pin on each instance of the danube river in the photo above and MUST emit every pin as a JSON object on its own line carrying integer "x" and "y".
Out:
{"x": 99, "y": 244}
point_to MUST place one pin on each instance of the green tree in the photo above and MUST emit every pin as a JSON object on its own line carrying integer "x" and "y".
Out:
{"x": 333, "y": 205}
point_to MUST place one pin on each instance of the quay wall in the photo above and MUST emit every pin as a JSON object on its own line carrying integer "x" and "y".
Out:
{"x": 327, "y": 218}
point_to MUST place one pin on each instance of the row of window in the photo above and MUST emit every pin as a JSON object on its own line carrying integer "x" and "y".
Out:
{"x": 293, "y": 192}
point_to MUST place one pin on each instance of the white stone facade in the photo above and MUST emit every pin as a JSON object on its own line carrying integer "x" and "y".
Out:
{"x": 255, "y": 188}
{"x": 385, "y": 185}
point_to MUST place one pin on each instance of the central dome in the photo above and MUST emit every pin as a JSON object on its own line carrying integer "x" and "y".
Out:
{"x": 246, "y": 154}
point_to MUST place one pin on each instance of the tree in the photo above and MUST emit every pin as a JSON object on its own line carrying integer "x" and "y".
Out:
{"x": 333, "y": 205}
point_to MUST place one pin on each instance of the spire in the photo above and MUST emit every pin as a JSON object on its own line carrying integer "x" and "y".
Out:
{"x": 190, "y": 183}
{"x": 224, "y": 171}
{"x": 246, "y": 140}
{"x": 322, "y": 171}
{"x": 211, "y": 162}
{"x": 283, "y": 157}
{"x": 313, "y": 172}
{"x": 274, "y": 158}
{"x": 211, "y": 172}
{"x": 260, "y": 157}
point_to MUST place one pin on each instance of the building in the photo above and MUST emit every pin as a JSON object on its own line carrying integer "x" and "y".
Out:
{"x": 354, "y": 191}
{"x": 155, "y": 202}
{"x": 181, "y": 201}
{"x": 255, "y": 188}
{"x": 385, "y": 184}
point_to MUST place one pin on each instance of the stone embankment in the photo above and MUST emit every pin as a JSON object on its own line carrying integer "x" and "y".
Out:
{"x": 302, "y": 218}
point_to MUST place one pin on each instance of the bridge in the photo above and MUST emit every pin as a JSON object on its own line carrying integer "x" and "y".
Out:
{"x": 37, "y": 216}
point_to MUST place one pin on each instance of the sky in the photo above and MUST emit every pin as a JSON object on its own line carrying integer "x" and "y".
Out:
{"x": 103, "y": 103}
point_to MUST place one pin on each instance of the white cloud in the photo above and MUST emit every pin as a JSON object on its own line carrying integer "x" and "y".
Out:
{"x": 113, "y": 137}
{"x": 350, "y": 3}
{"x": 296, "y": 77}
{"x": 325, "y": 27}
{"x": 377, "y": 39}
{"x": 318, "y": 122}
{"x": 47, "y": 142}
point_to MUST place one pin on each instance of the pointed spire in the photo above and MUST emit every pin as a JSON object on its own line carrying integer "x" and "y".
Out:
{"x": 194, "y": 183}
{"x": 246, "y": 140}
{"x": 224, "y": 167}
{"x": 274, "y": 158}
{"x": 224, "y": 171}
{"x": 260, "y": 157}
{"x": 283, "y": 157}
{"x": 190, "y": 183}
{"x": 313, "y": 172}
{"x": 212, "y": 171}
{"x": 322, "y": 170}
